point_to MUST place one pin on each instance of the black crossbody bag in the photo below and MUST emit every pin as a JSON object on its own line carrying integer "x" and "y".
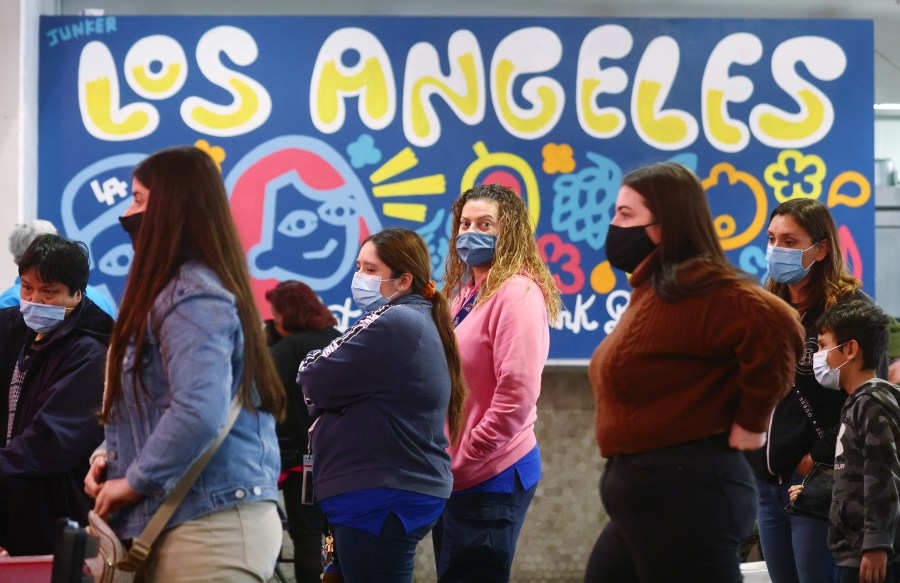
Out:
{"x": 815, "y": 499}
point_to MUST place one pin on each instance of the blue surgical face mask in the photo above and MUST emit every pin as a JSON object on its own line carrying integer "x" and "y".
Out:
{"x": 42, "y": 318}
{"x": 366, "y": 290}
{"x": 476, "y": 249}
{"x": 786, "y": 265}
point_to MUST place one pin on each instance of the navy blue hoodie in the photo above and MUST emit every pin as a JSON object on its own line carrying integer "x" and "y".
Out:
{"x": 55, "y": 428}
{"x": 381, "y": 393}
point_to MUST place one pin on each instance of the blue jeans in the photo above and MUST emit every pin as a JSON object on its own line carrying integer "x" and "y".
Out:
{"x": 386, "y": 558}
{"x": 475, "y": 538}
{"x": 795, "y": 547}
{"x": 677, "y": 514}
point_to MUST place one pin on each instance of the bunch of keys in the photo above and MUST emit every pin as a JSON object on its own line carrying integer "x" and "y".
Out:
{"x": 329, "y": 560}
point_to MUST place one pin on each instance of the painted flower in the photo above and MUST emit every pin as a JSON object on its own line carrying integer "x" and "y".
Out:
{"x": 217, "y": 153}
{"x": 558, "y": 158}
{"x": 363, "y": 152}
{"x": 794, "y": 175}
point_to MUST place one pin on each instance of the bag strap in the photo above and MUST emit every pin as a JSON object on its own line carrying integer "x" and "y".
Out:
{"x": 140, "y": 546}
{"x": 807, "y": 408}
{"x": 807, "y": 318}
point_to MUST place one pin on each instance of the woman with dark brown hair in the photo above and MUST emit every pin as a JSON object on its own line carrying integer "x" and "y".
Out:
{"x": 187, "y": 341}
{"x": 684, "y": 383}
{"x": 304, "y": 324}
{"x": 806, "y": 269}
{"x": 383, "y": 393}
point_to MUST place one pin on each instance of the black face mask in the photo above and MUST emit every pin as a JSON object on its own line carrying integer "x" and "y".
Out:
{"x": 132, "y": 225}
{"x": 626, "y": 247}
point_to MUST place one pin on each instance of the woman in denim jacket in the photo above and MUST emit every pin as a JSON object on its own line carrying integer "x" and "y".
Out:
{"x": 187, "y": 340}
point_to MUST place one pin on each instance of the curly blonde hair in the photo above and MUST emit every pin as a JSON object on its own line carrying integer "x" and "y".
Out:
{"x": 516, "y": 252}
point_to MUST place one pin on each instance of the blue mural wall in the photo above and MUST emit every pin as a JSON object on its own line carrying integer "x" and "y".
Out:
{"x": 327, "y": 129}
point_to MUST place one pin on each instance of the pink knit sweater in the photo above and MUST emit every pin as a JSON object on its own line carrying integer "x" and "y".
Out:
{"x": 503, "y": 345}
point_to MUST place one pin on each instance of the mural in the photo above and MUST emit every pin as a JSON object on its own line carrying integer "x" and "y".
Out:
{"x": 327, "y": 129}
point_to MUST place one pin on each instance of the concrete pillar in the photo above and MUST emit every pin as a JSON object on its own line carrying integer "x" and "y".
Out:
{"x": 19, "y": 23}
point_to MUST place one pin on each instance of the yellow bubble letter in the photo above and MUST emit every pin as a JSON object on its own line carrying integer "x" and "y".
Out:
{"x": 251, "y": 103}
{"x": 172, "y": 74}
{"x": 371, "y": 79}
{"x": 719, "y": 89}
{"x": 604, "y": 42}
{"x": 664, "y": 129}
{"x": 98, "y": 99}
{"x": 463, "y": 89}
{"x": 825, "y": 60}
{"x": 529, "y": 50}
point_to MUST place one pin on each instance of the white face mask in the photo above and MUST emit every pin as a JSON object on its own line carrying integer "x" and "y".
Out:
{"x": 828, "y": 377}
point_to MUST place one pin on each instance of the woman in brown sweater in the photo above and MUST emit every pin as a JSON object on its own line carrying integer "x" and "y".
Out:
{"x": 684, "y": 383}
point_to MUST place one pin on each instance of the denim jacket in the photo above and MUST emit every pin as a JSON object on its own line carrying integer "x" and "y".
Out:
{"x": 192, "y": 366}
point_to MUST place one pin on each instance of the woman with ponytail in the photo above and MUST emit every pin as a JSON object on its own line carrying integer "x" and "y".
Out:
{"x": 187, "y": 342}
{"x": 381, "y": 395}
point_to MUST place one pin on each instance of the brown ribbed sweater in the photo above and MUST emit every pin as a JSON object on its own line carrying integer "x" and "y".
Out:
{"x": 673, "y": 372}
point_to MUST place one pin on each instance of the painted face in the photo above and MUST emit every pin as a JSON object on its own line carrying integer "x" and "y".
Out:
{"x": 301, "y": 213}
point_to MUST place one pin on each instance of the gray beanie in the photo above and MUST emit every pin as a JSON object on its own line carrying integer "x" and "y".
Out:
{"x": 24, "y": 233}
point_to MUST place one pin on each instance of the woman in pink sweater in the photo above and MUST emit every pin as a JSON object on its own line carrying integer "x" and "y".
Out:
{"x": 503, "y": 298}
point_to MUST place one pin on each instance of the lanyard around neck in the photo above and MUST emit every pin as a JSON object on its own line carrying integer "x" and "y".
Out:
{"x": 464, "y": 310}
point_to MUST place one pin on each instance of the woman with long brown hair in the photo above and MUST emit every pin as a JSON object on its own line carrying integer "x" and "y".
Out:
{"x": 187, "y": 341}
{"x": 382, "y": 393}
{"x": 503, "y": 299}
{"x": 806, "y": 269}
{"x": 684, "y": 383}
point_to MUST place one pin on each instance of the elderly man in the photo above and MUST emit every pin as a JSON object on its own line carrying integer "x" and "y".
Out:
{"x": 19, "y": 240}
{"x": 52, "y": 364}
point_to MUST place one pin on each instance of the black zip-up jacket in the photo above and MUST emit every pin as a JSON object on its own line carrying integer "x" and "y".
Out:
{"x": 792, "y": 433}
{"x": 288, "y": 353}
{"x": 55, "y": 428}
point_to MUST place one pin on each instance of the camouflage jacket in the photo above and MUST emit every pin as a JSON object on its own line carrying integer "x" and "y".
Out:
{"x": 865, "y": 507}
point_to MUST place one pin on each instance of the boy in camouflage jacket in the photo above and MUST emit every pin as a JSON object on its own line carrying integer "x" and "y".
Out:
{"x": 865, "y": 507}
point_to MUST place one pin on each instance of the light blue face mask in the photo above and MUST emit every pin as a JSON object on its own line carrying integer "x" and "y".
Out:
{"x": 786, "y": 265}
{"x": 828, "y": 377}
{"x": 366, "y": 291}
{"x": 476, "y": 249}
{"x": 42, "y": 318}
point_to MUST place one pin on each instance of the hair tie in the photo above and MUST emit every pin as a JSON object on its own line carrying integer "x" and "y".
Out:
{"x": 428, "y": 290}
